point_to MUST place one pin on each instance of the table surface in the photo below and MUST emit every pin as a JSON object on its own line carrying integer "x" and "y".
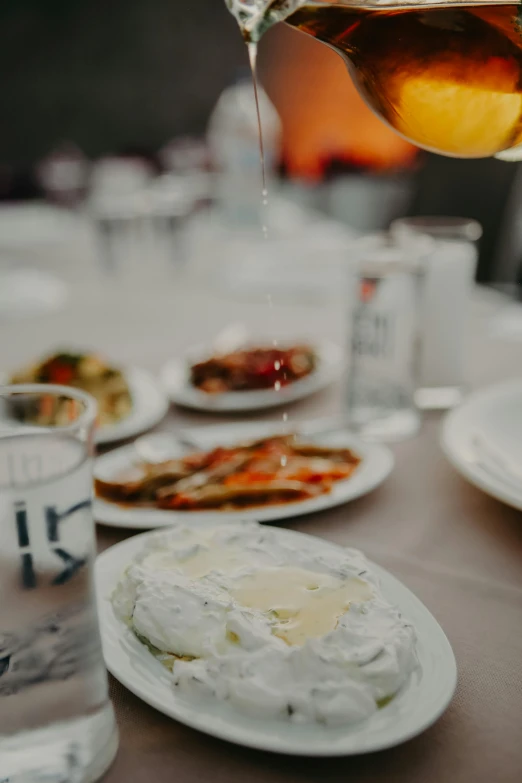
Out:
{"x": 459, "y": 550}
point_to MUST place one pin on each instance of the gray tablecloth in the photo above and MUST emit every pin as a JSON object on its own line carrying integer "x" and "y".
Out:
{"x": 457, "y": 549}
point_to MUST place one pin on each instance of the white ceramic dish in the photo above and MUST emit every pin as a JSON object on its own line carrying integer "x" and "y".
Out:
{"x": 175, "y": 379}
{"x": 484, "y": 434}
{"x": 413, "y": 709}
{"x": 149, "y": 406}
{"x": 377, "y": 463}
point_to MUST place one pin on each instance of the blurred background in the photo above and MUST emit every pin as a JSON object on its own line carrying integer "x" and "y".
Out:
{"x": 86, "y": 81}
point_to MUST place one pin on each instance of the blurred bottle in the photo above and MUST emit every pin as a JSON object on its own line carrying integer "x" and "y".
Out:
{"x": 233, "y": 139}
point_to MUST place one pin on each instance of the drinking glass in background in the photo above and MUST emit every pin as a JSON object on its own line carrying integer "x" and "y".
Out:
{"x": 56, "y": 721}
{"x": 139, "y": 219}
{"x": 448, "y": 283}
{"x": 189, "y": 160}
{"x": 382, "y": 373}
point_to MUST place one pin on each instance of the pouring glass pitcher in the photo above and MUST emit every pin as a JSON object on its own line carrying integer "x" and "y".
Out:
{"x": 446, "y": 76}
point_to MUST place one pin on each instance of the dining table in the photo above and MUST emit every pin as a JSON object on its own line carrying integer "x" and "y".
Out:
{"x": 456, "y": 548}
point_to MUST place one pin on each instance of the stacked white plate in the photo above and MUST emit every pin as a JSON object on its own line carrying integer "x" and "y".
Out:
{"x": 483, "y": 440}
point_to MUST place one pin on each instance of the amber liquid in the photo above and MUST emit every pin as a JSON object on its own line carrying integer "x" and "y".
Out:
{"x": 252, "y": 56}
{"x": 448, "y": 78}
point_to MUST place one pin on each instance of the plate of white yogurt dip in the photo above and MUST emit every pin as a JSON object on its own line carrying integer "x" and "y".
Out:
{"x": 272, "y": 639}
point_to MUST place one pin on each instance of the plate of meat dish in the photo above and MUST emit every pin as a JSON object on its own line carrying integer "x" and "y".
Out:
{"x": 252, "y": 377}
{"x": 129, "y": 399}
{"x": 247, "y": 472}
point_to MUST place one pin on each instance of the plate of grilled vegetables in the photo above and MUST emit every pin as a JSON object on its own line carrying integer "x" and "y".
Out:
{"x": 239, "y": 471}
{"x": 129, "y": 399}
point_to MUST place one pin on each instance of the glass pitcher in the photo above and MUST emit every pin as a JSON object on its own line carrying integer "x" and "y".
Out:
{"x": 445, "y": 76}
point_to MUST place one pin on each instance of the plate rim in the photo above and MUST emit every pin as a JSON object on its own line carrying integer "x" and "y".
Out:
{"x": 260, "y": 399}
{"x": 443, "y": 699}
{"x": 137, "y": 377}
{"x": 453, "y": 452}
{"x": 375, "y": 456}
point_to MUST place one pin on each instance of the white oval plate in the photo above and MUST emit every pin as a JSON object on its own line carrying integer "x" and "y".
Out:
{"x": 413, "y": 709}
{"x": 377, "y": 463}
{"x": 492, "y": 416}
{"x": 176, "y": 381}
{"x": 149, "y": 406}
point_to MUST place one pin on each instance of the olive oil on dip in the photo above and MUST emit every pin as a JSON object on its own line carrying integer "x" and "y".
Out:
{"x": 300, "y": 604}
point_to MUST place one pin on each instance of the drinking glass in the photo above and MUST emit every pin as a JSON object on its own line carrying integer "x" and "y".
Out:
{"x": 448, "y": 284}
{"x": 148, "y": 225}
{"x": 56, "y": 721}
{"x": 382, "y": 373}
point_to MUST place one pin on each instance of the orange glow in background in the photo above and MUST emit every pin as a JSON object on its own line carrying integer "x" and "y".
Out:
{"x": 323, "y": 116}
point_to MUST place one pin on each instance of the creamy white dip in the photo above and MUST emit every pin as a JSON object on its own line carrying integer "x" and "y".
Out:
{"x": 243, "y": 614}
